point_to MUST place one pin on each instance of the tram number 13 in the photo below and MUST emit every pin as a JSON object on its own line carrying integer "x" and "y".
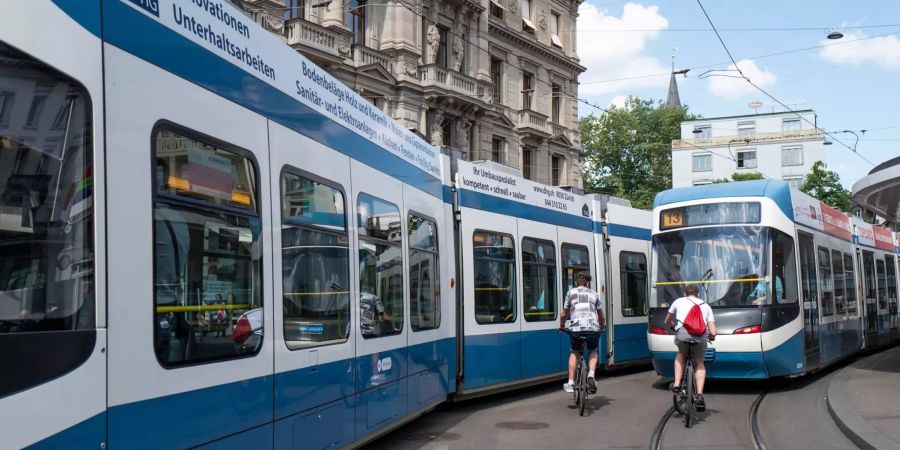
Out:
{"x": 672, "y": 218}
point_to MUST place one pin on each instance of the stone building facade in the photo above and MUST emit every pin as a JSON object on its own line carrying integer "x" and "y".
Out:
{"x": 494, "y": 79}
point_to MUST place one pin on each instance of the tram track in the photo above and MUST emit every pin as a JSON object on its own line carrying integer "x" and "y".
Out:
{"x": 757, "y": 440}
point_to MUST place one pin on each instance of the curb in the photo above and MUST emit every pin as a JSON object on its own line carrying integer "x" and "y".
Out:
{"x": 848, "y": 419}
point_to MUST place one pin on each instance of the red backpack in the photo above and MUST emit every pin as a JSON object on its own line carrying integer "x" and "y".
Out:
{"x": 694, "y": 323}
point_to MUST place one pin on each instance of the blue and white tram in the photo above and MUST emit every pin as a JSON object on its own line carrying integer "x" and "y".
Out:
{"x": 780, "y": 269}
{"x": 209, "y": 241}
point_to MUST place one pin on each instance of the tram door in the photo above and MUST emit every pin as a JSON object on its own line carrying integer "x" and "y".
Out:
{"x": 810, "y": 299}
{"x": 869, "y": 293}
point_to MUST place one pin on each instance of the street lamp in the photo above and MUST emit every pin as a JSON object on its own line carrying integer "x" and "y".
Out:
{"x": 855, "y": 143}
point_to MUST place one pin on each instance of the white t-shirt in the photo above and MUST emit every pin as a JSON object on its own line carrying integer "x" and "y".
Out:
{"x": 681, "y": 307}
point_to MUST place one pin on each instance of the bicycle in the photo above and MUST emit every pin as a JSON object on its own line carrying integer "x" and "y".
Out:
{"x": 684, "y": 399}
{"x": 581, "y": 390}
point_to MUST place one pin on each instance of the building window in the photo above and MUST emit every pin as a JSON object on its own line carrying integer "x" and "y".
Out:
{"x": 746, "y": 159}
{"x": 315, "y": 261}
{"x": 441, "y": 57}
{"x": 556, "y": 103}
{"x": 424, "y": 274}
{"x": 380, "y": 267}
{"x": 792, "y": 155}
{"x": 794, "y": 182}
{"x": 527, "y": 24}
{"x": 555, "y": 170}
{"x": 497, "y": 146}
{"x": 358, "y": 21}
{"x": 294, "y": 9}
{"x": 702, "y": 132}
{"x": 495, "y": 279}
{"x": 527, "y": 155}
{"x": 702, "y": 162}
{"x": 34, "y": 112}
{"x": 207, "y": 269}
{"x": 633, "y": 269}
{"x": 497, "y": 78}
{"x": 6, "y": 102}
{"x": 539, "y": 292}
{"x": 790, "y": 125}
{"x": 527, "y": 89}
{"x": 746, "y": 128}
{"x": 497, "y": 9}
{"x": 554, "y": 30}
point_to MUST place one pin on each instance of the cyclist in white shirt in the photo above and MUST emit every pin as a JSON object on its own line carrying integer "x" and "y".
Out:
{"x": 583, "y": 307}
{"x": 677, "y": 313}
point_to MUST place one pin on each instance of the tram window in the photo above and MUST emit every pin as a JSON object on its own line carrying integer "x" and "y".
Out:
{"x": 837, "y": 271}
{"x": 633, "y": 267}
{"x": 539, "y": 291}
{"x": 808, "y": 272}
{"x": 46, "y": 222}
{"x": 882, "y": 284}
{"x": 495, "y": 277}
{"x": 575, "y": 258}
{"x": 891, "y": 285}
{"x": 850, "y": 283}
{"x": 868, "y": 268}
{"x": 207, "y": 259}
{"x": 315, "y": 260}
{"x": 784, "y": 268}
{"x": 826, "y": 282}
{"x": 424, "y": 274}
{"x": 380, "y": 267}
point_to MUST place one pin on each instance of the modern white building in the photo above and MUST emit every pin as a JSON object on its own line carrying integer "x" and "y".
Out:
{"x": 778, "y": 145}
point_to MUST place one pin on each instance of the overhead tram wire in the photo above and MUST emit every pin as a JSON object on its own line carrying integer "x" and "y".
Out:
{"x": 738, "y": 69}
{"x": 613, "y": 30}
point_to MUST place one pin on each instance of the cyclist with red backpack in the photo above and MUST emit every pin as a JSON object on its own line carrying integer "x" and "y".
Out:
{"x": 693, "y": 320}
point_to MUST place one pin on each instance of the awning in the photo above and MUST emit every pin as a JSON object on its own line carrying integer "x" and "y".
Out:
{"x": 498, "y": 4}
{"x": 528, "y": 23}
{"x": 555, "y": 40}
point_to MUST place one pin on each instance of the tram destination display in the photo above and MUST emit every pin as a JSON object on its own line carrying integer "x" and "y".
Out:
{"x": 709, "y": 214}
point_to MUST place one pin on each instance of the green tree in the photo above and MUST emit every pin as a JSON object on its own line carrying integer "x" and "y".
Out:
{"x": 628, "y": 150}
{"x": 826, "y": 186}
{"x": 741, "y": 177}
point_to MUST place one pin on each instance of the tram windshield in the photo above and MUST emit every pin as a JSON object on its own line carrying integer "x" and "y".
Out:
{"x": 729, "y": 264}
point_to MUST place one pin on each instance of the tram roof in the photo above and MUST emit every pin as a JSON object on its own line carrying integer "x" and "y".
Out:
{"x": 777, "y": 190}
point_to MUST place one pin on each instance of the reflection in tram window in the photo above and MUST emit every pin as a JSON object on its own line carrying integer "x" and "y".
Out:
{"x": 850, "y": 283}
{"x": 207, "y": 270}
{"x": 729, "y": 264}
{"x": 380, "y": 267}
{"x": 892, "y": 290}
{"x": 46, "y": 203}
{"x": 575, "y": 259}
{"x": 837, "y": 271}
{"x": 869, "y": 290}
{"x": 808, "y": 274}
{"x": 424, "y": 274}
{"x": 495, "y": 277}
{"x": 633, "y": 267}
{"x": 826, "y": 283}
{"x": 882, "y": 284}
{"x": 539, "y": 293}
{"x": 315, "y": 263}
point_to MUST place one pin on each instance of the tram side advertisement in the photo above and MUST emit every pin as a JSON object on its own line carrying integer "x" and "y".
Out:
{"x": 481, "y": 179}
{"x": 228, "y": 33}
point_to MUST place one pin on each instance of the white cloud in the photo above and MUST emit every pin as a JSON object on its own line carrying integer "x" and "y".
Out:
{"x": 618, "y": 101}
{"x": 729, "y": 84}
{"x": 883, "y": 50}
{"x": 611, "y": 55}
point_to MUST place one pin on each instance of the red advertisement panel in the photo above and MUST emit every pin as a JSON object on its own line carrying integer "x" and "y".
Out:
{"x": 884, "y": 239}
{"x": 836, "y": 223}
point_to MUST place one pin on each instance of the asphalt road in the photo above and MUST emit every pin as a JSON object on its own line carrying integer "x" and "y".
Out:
{"x": 624, "y": 414}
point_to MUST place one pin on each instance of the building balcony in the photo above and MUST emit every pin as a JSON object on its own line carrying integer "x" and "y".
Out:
{"x": 364, "y": 56}
{"x": 452, "y": 82}
{"x": 773, "y": 137}
{"x": 534, "y": 122}
{"x": 304, "y": 35}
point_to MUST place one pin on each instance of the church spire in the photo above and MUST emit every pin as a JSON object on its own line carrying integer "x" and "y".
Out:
{"x": 673, "y": 100}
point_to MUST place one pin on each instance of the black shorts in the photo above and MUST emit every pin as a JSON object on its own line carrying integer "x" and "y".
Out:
{"x": 591, "y": 337}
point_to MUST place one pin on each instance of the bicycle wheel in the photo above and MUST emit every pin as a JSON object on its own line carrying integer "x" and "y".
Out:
{"x": 582, "y": 386}
{"x": 689, "y": 407}
{"x": 679, "y": 399}
{"x": 575, "y": 394}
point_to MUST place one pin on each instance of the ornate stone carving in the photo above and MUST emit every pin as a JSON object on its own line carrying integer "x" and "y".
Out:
{"x": 411, "y": 69}
{"x": 459, "y": 48}
{"x": 434, "y": 41}
{"x": 462, "y": 134}
{"x": 437, "y": 131}
{"x": 542, "y": 19}
{"x": 344, "y": 50}
{"x": 513, "y": 6}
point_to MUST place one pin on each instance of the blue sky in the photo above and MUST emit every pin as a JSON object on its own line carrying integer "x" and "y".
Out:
{"x": 852, "y": 84}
